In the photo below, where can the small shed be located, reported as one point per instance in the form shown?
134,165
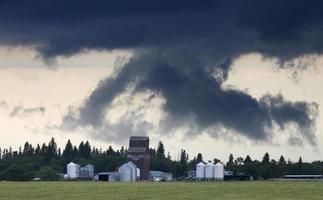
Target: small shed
107,176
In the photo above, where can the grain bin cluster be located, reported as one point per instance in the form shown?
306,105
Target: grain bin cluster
209,172
137,168
75,171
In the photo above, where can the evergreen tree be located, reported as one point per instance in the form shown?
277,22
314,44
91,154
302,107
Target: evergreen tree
215,161
199,158
160,153
75,152
230,163
300,162
266,159
282,161
300,165
28,149
265,170
43,149
110,151
87,150
68,152
247,160
183,162
82,150
281,166
52,148
37,150
249,166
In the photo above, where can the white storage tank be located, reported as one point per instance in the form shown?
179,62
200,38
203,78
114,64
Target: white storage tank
90,169
125,173
134,171
200,171
138,174
218,172
84,173
209,171
73,170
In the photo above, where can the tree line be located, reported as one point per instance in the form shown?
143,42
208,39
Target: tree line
48,162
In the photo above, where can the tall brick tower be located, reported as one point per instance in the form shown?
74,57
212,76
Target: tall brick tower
138,153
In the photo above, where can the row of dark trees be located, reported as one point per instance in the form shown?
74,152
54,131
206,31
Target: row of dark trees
269,168
47,161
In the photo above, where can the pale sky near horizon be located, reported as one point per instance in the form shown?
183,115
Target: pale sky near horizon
28,83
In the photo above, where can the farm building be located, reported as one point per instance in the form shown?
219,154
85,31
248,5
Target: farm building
107,176
138,153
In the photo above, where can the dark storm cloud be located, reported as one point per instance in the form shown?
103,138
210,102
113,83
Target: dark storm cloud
183,51
275,28
300,113
194,92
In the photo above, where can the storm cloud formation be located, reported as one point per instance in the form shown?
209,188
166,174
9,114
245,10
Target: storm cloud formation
183,50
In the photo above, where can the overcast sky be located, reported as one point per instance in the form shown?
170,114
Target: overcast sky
215,77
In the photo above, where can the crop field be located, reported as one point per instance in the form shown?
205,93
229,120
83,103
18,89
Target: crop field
147,190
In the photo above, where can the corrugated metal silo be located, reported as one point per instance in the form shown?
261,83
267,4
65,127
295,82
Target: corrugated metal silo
218,172
73,170
134,171
200,171
90,169
125,173
209,171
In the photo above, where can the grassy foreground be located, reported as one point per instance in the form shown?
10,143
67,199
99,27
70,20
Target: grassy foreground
146,190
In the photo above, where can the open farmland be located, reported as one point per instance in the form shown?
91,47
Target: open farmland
147,190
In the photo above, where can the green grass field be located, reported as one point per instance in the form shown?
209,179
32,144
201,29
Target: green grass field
146,190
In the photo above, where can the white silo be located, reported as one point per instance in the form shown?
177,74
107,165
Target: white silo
209,171
200,171
218,172
125,173
73,170
134,171
90,169
138,173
